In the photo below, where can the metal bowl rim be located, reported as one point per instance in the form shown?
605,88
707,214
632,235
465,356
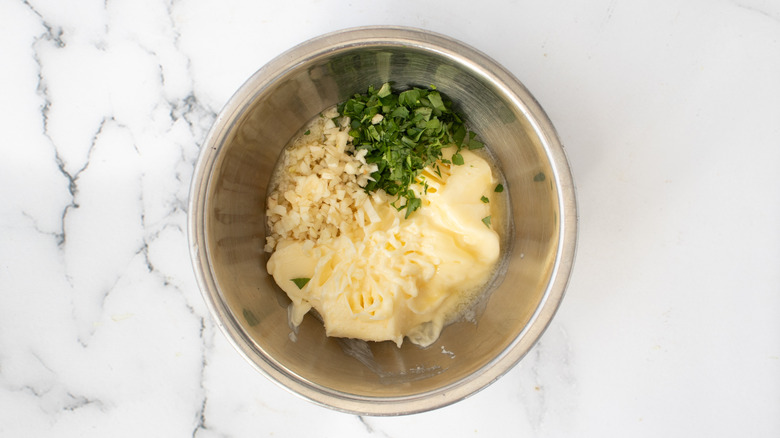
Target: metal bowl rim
478,63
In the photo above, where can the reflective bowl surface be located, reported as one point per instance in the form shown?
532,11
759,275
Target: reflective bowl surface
227,222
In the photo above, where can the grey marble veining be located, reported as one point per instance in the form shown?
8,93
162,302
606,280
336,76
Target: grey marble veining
669,112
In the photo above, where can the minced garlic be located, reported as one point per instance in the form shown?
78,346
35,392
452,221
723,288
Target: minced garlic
369,272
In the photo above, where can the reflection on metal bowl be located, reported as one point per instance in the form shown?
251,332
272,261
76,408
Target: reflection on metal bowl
227,222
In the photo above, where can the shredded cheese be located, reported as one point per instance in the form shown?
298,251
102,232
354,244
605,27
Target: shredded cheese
374,274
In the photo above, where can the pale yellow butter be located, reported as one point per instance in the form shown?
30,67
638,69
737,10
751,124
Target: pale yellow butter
385,277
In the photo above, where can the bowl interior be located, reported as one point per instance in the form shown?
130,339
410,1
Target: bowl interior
267,112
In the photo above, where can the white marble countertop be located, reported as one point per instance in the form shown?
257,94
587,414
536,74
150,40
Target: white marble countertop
670,114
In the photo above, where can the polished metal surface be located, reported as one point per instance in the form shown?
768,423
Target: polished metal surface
227,222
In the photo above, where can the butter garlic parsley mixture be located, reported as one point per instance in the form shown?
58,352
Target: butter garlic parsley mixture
380,217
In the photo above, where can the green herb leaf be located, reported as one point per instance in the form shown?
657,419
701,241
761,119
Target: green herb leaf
435,99
250,318
412,204
308,131
459,135
499,188
409,97
486,221
417,123
384,91
475,144
400,111
301,282
484,199
457,159
539,177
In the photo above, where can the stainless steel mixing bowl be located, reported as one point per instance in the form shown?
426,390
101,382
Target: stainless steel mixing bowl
227,222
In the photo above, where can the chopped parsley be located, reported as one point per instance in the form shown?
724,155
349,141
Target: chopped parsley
457,159
486,221
250,318
403,133
499,188
484,199
300,282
